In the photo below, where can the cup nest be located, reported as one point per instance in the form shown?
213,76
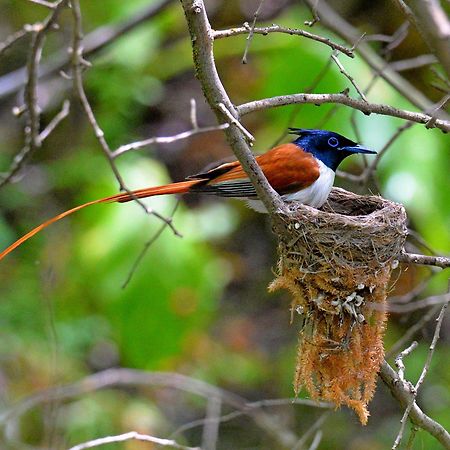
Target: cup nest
336,263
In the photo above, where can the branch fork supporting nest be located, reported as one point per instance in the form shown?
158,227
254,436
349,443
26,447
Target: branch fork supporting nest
336,263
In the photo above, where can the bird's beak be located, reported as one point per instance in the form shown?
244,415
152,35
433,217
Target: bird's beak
358,149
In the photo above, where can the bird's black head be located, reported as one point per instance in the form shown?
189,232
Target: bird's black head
331,148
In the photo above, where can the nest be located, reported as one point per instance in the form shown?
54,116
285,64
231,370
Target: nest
337,263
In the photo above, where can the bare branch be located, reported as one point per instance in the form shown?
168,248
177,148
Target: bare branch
13,38
31,107
316,441
219,34
348,76
23,155
256,405
402,393
94,42
332,20
129,377
202,37
399,360
166,139
432,22
78,62
211,429
368,172
130,436
311,430
410,332
233,121
49,5
412,63
421,379
55,121
419,304
320,99
252,31
148,244
413,258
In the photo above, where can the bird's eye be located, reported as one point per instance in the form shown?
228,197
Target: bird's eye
333,142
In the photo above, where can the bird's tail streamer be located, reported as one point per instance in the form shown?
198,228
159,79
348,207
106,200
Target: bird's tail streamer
174,188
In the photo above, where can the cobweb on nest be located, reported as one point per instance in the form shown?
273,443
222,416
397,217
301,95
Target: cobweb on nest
336,263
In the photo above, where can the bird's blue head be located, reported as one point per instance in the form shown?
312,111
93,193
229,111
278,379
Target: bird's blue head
331,148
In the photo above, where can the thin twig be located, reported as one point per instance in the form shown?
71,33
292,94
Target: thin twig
128,377
320,99
257,404
316,441
296,110
62,114
316,18
147,245
93,43
233,121
132,435
252,31
166,139
433,24
413,306
13,38
23,154
413,258
368,172
78,62
220,34
440,105
399,360
348,76
211,429
32,137
311,430
336,23
401,391
202,39
44,3
413,63
421,379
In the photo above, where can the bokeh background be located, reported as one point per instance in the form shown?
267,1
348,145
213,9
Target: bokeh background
196,305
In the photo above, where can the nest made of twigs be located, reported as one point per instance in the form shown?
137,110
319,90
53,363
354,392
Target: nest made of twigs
336,262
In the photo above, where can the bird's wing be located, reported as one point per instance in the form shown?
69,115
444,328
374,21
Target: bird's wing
287,168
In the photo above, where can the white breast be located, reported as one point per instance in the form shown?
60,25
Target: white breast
314,195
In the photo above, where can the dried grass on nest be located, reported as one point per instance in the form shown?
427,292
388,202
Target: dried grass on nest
336,263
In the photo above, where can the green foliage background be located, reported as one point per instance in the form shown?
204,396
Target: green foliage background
197,305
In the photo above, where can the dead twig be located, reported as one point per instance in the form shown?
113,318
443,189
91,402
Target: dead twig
132,435
252,31
414,389
220,34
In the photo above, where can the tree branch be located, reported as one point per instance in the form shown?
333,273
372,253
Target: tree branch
93,43
415,389
401,391
246,29
130,436
414,258
433,24
361,105
32,137
333,21
110,378
202,37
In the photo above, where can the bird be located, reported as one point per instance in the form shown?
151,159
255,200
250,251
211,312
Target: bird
300,171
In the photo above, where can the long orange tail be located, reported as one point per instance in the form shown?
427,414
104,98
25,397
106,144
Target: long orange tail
174,188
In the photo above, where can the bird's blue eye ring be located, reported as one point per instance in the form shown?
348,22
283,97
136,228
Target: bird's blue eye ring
333,142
